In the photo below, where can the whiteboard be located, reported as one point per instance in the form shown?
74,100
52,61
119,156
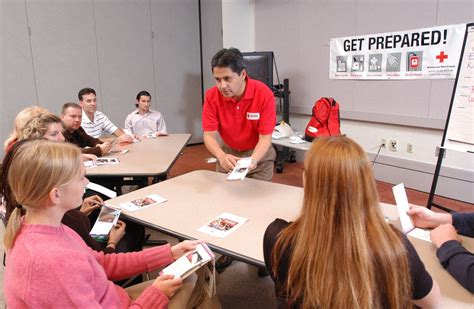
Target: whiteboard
459,133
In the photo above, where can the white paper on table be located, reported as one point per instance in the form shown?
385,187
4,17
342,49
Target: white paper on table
223,225
143,202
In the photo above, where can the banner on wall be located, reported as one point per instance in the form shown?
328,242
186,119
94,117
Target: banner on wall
428,53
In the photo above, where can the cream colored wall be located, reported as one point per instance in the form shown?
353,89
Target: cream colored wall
414,168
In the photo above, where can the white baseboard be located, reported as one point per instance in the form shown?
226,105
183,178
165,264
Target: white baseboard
452,183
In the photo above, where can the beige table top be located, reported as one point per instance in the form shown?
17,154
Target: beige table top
149,157
199,196
284,141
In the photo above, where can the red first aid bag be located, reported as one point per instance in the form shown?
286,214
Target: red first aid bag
324,120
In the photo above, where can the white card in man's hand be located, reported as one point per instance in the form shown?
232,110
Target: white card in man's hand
402,206
241,169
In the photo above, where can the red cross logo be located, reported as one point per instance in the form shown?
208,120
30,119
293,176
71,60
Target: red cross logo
441,57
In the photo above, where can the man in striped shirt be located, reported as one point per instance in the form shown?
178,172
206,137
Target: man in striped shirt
96,123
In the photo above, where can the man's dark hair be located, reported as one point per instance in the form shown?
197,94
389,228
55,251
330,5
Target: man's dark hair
85,91
231,58
68,105
143,92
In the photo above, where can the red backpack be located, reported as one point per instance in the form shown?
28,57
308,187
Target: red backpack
325,119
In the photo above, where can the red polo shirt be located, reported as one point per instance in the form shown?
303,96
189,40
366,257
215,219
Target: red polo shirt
240,123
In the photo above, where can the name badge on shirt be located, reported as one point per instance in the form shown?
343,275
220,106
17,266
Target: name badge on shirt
253,116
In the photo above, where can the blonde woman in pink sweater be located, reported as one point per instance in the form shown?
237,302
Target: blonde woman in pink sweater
49,265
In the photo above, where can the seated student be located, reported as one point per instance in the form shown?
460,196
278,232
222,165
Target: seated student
453,256
95,123
339,252
71,116
48,265
21,118
47,126
144,121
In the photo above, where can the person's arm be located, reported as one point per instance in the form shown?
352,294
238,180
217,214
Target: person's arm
124,265
128,124
431,300
453,256
161,125
425,290
264,142
227,161
464,223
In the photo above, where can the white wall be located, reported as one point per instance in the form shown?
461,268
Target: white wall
238,24
415,169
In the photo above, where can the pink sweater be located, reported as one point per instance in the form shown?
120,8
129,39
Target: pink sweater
53,267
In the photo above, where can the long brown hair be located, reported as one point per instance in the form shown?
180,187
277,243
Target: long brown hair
36,168
344,255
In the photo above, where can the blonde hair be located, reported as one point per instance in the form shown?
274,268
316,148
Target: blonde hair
37,126
20,120
38,167
344,255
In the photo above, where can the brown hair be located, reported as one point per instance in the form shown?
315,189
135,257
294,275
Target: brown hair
38,126
36,168
344,255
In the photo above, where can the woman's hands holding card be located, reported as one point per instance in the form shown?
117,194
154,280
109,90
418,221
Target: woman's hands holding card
168,285
185,246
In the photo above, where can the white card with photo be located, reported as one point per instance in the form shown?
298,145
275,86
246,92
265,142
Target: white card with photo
241,169
189,262
142,203
106,161
90,164
106,220
406,222
223,225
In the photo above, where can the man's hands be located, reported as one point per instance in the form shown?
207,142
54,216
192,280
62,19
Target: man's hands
117,232
444,233
227,161
185,246
105,147
124,138
168,285
90,204
425,218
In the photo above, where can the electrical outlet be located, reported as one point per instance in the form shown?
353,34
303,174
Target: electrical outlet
393,145
410,148
383,142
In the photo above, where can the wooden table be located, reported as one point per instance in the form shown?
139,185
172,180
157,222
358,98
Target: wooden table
199,196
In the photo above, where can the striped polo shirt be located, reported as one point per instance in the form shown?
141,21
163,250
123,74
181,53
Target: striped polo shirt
99,126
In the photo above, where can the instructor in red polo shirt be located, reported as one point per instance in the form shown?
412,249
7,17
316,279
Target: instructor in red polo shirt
242,111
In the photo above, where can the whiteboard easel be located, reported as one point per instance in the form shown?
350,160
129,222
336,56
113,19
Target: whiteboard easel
459,130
